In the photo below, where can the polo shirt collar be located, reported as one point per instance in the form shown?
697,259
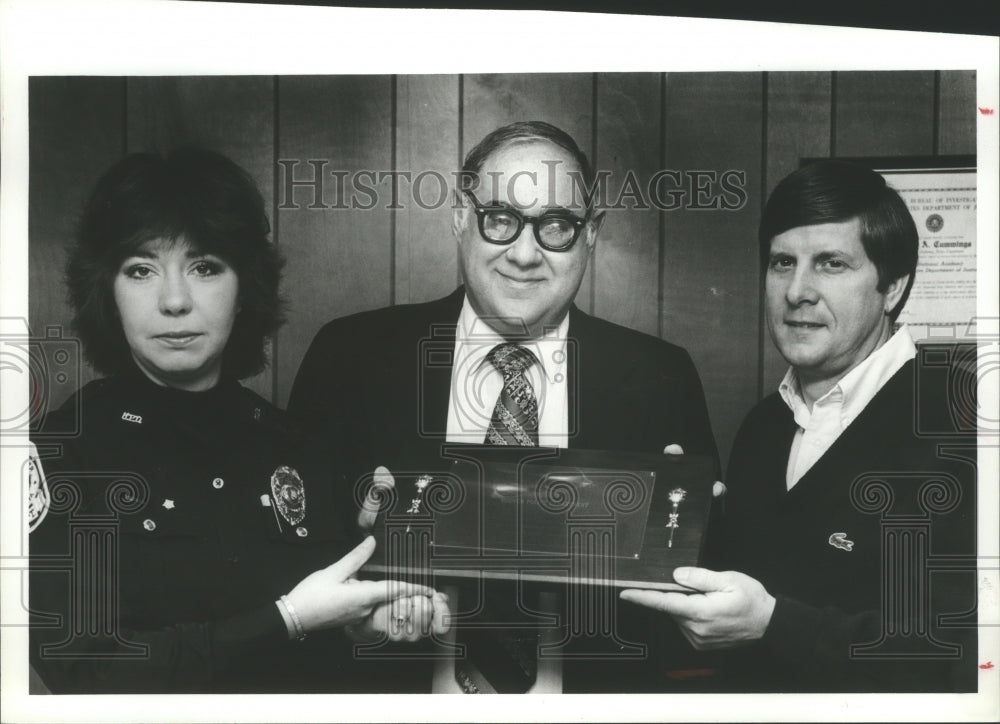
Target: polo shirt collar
857,388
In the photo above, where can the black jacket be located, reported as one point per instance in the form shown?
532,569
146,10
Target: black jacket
156,566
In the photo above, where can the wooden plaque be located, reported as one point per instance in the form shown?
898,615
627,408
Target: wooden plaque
547,514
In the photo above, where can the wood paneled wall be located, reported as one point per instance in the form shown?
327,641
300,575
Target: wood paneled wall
688,275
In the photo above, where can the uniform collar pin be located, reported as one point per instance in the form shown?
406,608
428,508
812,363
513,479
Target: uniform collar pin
168,504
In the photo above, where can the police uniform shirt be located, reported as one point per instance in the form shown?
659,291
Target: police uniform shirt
163,547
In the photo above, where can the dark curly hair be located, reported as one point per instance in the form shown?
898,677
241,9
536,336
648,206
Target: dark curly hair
193,193
833,191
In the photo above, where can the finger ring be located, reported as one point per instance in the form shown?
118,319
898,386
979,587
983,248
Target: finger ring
400,620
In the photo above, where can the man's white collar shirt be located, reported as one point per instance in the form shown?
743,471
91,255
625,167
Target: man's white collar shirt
834,411
476,383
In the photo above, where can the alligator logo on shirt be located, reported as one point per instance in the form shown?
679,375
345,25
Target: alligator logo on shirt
839,540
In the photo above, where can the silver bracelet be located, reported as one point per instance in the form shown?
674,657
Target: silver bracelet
300,633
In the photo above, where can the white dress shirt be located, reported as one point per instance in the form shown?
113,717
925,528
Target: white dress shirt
476,383
833,412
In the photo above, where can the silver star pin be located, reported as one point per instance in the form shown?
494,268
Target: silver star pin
168,504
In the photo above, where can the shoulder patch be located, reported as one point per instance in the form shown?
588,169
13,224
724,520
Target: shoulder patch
37,493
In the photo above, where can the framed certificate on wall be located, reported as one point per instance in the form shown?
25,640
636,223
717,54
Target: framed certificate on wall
940,192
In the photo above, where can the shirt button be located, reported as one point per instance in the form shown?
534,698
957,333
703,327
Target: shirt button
301,531
149,524
218,483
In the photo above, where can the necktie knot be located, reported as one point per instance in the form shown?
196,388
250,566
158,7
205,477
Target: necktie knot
515,415
511,359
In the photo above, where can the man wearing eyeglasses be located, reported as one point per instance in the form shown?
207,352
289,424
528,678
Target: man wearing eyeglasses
508,358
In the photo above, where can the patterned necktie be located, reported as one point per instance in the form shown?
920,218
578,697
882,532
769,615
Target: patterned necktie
515,416
504,660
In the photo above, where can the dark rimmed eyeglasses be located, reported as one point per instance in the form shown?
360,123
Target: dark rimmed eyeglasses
500,224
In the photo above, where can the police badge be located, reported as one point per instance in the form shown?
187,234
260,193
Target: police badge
289,494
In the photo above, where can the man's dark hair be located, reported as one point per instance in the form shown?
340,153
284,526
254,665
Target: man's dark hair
524,132
834,191
194,194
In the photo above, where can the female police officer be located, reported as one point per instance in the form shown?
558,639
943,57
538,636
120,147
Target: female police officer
174,547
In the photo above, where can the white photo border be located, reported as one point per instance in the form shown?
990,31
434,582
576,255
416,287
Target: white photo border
116,37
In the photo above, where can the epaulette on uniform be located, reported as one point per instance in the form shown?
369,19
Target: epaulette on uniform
83,403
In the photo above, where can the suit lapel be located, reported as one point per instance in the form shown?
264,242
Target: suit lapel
437,361
596,378
428,361
573,382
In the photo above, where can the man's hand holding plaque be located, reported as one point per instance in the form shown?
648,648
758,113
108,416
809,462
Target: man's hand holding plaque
728,608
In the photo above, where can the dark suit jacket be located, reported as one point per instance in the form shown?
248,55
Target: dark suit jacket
830,598
386,373
379,382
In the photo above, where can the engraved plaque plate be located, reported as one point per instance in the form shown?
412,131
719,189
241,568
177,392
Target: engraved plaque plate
527,513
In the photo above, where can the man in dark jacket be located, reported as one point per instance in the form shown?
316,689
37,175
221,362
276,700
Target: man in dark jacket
852,482
507,358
